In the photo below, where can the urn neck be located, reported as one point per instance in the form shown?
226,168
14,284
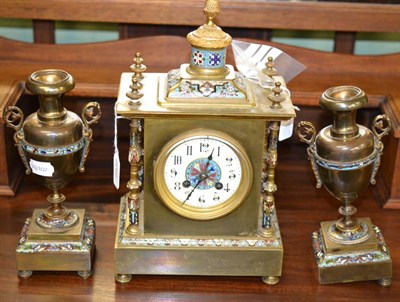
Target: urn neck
50,85
344,124
51,108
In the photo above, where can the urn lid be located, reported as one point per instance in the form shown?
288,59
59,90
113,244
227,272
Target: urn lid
209,43
343,98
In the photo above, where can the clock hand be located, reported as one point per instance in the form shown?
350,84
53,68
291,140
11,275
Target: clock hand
210,157
202,176
194,188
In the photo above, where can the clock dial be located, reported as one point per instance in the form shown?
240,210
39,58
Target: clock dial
203,174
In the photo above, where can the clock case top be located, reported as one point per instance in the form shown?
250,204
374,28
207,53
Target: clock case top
154,103
247,124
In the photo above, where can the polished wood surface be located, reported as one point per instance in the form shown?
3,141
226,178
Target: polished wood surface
300,208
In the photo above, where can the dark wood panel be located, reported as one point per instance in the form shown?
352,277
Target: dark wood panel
306,15
344,42
44,31
127,31
11,170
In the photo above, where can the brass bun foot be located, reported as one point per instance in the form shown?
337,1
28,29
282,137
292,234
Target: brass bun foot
85,274
341,263
72,250
123,278
25,274
384,282
270,280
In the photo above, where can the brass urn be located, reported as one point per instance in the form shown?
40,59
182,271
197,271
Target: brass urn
53,144
345,158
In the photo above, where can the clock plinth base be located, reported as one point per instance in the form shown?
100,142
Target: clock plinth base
150,254
338,263
72,250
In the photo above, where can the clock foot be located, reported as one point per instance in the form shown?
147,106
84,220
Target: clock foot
270,280
85,274
24,274
123,278
385,282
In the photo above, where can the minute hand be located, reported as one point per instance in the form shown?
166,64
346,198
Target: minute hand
191,192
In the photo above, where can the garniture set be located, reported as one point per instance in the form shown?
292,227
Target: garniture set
203,152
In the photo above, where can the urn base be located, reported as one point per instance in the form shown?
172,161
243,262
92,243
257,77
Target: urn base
338,263
73,250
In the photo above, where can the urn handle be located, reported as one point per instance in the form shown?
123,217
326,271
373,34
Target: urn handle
306,133
14,118
381,126
91,113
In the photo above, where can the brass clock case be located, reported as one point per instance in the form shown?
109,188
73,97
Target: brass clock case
203,213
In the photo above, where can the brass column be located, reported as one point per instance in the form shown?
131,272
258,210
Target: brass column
269,186
134,184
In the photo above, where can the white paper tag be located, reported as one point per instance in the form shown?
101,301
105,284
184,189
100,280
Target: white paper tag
41,168
286,129
116,162
117,165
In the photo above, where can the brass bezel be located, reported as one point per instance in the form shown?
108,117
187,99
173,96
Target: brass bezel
188,211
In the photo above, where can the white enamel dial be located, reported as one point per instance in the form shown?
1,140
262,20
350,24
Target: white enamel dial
203,174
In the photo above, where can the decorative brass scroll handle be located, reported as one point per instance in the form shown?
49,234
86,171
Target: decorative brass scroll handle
14,118
381,126
91,113
11,115
306,133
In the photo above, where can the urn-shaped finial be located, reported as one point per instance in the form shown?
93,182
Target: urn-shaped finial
209,43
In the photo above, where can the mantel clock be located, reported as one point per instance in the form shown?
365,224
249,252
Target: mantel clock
203,152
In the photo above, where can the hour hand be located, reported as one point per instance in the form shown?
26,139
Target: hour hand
210,156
